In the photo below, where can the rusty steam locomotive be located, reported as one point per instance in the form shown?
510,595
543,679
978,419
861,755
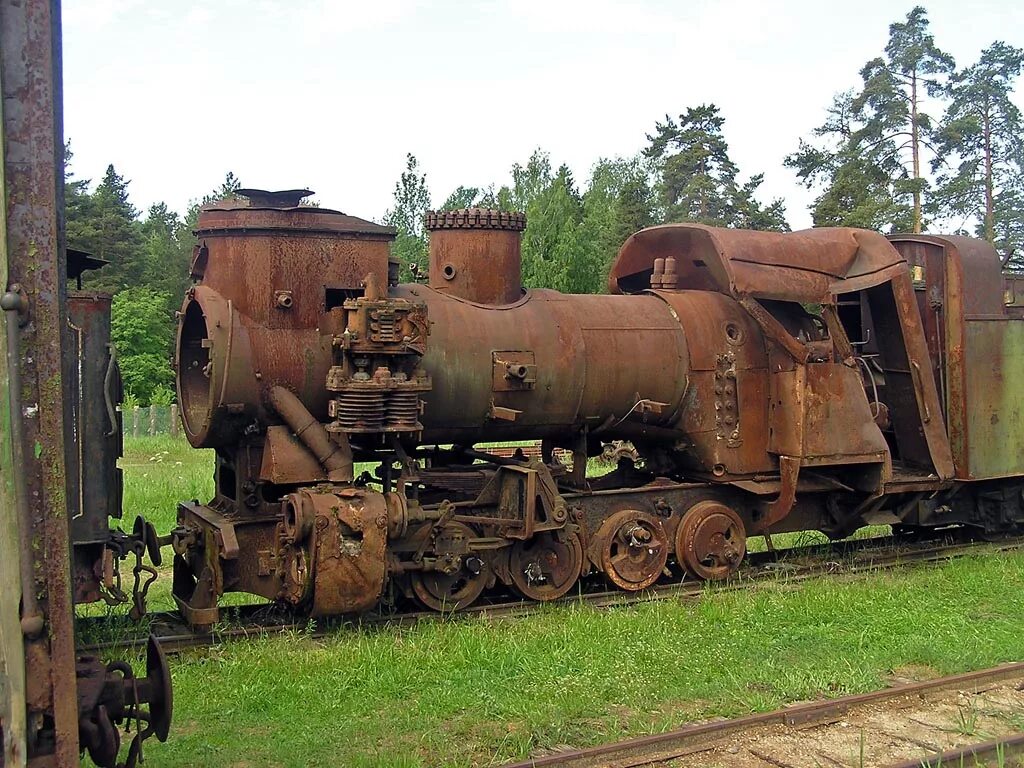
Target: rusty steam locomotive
823,380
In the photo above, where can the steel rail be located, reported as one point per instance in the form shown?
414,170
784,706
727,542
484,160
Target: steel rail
970,755
671,745
176,642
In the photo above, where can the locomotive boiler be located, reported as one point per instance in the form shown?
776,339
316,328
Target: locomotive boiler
768,382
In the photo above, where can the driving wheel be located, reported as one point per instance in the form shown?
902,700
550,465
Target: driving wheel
710,541
461,577
632,549
547,565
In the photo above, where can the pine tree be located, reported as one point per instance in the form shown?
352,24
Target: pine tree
1009,223
894,126
697,179
166,260
856,185
78,223
115,235
981,133
634,207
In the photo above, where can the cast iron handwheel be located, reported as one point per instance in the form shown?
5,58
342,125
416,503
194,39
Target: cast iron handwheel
441,591
632,549
710,541
546,566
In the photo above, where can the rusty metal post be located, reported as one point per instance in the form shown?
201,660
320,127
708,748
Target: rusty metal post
12,647
30,77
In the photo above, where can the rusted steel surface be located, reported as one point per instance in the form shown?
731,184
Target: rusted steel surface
580,354
33,148
474,254
805,266
94,479
546,566
748,411
298,263
723,413
631,548
348,535
14,565
979,348
710,540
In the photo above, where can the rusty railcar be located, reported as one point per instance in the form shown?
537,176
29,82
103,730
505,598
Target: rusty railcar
768,382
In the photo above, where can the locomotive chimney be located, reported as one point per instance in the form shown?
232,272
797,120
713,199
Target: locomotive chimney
474,254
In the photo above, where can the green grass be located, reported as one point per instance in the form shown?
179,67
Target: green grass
159,472
475,692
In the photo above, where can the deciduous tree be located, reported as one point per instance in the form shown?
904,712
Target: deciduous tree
142,332
412,201
461,197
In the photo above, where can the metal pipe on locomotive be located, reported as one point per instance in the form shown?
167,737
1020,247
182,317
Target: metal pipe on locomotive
769,382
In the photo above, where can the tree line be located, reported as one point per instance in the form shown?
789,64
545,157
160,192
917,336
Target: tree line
919,145
147,271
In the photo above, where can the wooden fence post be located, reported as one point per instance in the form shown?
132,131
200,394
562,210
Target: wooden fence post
174,419
152,420
135,421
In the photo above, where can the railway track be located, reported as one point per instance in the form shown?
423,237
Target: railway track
969,719
792,565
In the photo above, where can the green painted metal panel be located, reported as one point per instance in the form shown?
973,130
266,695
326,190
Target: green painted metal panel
994,373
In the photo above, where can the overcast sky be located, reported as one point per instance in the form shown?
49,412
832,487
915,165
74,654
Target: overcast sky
332,95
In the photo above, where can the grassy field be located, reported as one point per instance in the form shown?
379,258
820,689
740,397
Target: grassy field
477,692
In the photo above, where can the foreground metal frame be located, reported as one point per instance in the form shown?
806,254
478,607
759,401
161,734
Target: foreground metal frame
33,422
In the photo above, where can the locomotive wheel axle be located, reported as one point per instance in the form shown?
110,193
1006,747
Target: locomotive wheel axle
460,580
